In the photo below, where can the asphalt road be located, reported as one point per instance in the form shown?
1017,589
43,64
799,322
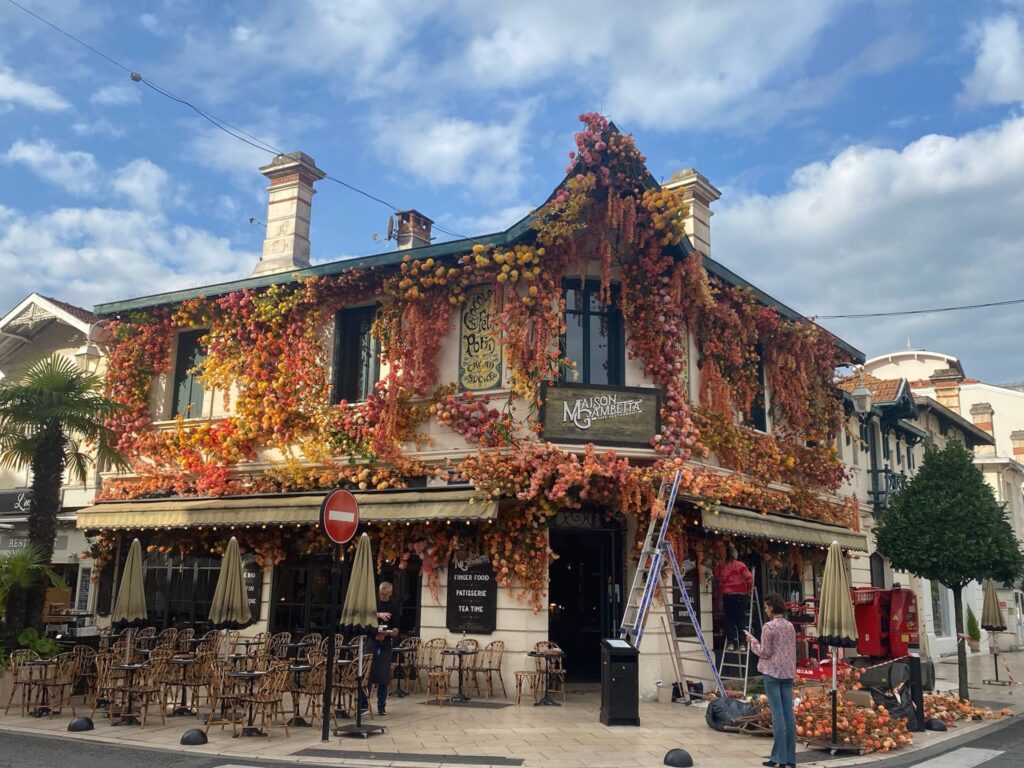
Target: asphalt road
23,751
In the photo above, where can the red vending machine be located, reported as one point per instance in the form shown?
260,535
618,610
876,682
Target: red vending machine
903,622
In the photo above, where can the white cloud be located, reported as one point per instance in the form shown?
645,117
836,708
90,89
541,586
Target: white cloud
143,182
150,23
998,74
492,221
90,255
100,127
74,171
934,223
449,150
16,90
115,95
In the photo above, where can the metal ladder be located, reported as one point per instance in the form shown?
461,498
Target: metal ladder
656,570
739,660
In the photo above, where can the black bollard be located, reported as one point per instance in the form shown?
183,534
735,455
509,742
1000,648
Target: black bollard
916,692
80,723
193,737
678,758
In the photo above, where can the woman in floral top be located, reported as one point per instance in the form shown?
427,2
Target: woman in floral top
777,663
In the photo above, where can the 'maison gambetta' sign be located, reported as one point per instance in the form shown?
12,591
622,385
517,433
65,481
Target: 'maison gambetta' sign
589,413
472,595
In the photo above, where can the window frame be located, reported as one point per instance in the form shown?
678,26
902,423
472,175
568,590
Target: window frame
344,341
616,334
182,375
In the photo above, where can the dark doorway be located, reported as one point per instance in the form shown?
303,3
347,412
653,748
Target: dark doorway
584,596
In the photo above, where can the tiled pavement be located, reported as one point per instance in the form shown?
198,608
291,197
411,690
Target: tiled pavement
571,736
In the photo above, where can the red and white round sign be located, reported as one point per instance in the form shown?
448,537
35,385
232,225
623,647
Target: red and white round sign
339,516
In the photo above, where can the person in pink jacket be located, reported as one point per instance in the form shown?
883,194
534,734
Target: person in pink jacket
735,582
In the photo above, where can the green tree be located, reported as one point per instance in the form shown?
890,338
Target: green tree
947,526
48,413
21,570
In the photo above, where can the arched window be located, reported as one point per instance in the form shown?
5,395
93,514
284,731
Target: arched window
877,570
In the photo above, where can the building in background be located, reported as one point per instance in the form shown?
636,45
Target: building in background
36,328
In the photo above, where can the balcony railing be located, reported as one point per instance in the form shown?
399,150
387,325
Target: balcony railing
885,483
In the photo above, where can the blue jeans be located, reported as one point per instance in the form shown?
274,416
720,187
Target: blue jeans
780,699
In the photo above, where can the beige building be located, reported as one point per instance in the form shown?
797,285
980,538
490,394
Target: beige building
37,328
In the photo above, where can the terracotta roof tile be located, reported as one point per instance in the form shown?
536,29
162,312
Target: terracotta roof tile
882,390
82,314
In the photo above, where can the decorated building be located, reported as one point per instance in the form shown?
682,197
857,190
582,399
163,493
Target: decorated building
505,406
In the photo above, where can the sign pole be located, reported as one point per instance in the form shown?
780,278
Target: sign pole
326,711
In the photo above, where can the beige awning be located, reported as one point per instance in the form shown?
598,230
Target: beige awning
380,506
792,530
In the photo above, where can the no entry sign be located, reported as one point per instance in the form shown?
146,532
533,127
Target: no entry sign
339,516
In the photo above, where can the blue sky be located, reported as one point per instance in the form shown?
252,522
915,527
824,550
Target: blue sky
870,154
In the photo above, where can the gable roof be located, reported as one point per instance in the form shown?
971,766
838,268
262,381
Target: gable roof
973,435
34,314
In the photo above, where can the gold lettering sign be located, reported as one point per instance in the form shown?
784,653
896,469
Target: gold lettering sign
479,350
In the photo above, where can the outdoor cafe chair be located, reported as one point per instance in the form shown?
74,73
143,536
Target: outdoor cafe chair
142,689
405,662
169,635
104,636
469,663
312,686
266,698
489,667
310,643
277,646
429,658
231,639
211,641
107,681
350,683
221,696
554,667
58,683
183,639
258,641
86,670
22,677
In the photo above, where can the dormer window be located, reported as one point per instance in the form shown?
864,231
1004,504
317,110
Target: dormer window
356,362
188,390
593,335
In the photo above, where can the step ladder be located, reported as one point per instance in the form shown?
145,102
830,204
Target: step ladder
658,570
734,666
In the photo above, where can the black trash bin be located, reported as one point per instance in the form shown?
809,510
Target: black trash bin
620,683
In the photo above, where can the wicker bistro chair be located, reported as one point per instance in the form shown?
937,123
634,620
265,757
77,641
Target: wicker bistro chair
182,640
555,669
266,699
23,678
469,663
107,681
146,688
58,685
404,666
348,686
212,641
278,645
258,641
86,681
221,695
311,644
312,687
429,658
489,668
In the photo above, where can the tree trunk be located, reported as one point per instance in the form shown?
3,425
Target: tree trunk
47,478
14,621
961,645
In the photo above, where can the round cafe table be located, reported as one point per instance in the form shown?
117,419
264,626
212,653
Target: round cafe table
460,653
251,676
129,717
399,653
181,663
297,670
546,700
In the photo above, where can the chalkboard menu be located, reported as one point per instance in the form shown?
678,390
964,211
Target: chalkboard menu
253,583
691,576
472,595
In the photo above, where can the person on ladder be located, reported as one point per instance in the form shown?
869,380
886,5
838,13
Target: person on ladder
735,582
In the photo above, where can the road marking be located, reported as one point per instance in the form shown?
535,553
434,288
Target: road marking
345,517
965,757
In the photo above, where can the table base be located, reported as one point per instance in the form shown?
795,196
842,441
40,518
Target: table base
298,722
546,701
181,711
127,720
41,711
252,731
363,731
460,698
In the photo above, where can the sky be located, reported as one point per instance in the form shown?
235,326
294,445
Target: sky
870,153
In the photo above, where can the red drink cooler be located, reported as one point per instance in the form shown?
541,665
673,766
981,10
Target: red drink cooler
903,624
871,612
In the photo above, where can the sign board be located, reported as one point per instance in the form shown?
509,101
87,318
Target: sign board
589,413
253,576
472,595
339,516
690,572
479,349
15,502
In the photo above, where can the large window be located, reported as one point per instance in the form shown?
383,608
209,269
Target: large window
940,609
179,590
188,390
758,416
356,364
593,334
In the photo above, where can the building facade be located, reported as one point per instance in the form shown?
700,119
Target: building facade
504,408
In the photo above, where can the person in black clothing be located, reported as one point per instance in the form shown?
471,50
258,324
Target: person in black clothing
380,646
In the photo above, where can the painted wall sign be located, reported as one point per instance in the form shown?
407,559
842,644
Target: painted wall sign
480,354
253,583
691,575
588,413
15,502
472,595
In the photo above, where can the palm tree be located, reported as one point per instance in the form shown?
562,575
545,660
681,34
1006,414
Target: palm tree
21,570
46,414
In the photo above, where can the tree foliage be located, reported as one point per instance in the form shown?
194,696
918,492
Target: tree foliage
947,526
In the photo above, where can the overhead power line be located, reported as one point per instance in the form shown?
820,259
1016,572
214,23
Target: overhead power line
222,125
932,310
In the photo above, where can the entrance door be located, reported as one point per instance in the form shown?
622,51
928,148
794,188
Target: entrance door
585,590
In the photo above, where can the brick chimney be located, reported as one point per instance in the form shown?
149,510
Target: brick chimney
699,194
981,415
413,230
1017,441
286,246
947,387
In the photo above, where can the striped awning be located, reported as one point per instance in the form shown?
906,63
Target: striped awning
782,528
401,506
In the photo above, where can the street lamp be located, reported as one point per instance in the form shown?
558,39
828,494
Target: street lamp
87,358
861,395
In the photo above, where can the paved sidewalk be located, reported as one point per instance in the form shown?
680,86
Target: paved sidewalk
497,732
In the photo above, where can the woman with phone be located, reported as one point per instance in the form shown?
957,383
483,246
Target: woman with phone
776,651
